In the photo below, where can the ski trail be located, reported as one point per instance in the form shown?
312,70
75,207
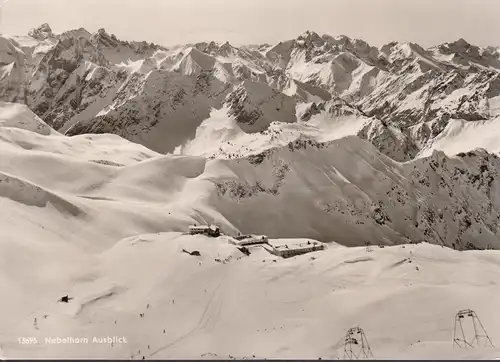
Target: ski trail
203,321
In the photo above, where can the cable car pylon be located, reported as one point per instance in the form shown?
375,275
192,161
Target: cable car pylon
469,332
356,345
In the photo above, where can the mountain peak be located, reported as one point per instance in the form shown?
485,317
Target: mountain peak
104,34
337,40
309,40
43,32
103,38
215,49
310,36
461,42
45,27
458,46
78,33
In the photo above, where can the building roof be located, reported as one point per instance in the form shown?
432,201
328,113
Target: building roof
250,236
249,239
213,227
199,227
242,237
298,246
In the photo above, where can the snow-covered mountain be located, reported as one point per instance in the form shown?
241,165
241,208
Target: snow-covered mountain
103,220
80,82
338,189
223,102
110,149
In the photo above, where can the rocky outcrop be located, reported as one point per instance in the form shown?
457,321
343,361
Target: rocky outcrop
409,93
160,110
256,105
453,202
43,32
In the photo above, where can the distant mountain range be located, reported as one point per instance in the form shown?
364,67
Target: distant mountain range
302,112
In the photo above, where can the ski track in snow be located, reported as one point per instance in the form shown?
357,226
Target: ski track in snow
316,138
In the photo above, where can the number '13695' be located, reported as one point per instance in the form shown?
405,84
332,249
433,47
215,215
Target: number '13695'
27,340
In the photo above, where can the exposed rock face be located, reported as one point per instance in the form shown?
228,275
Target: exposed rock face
256,105
161,110
56,81
390,140
43,32
311,110
448,201
409,93
13,65
103,40
343,122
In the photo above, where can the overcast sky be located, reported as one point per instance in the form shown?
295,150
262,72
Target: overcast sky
169,22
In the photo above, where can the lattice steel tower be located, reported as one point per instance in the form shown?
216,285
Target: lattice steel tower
469,331
356,345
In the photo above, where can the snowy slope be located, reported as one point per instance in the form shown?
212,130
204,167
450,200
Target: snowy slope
409,93
19,116
102,219
251,307
461,136
160,110
340,190
222,136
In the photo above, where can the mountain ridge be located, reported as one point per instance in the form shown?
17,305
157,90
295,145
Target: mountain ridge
110,150
239,104
399,85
